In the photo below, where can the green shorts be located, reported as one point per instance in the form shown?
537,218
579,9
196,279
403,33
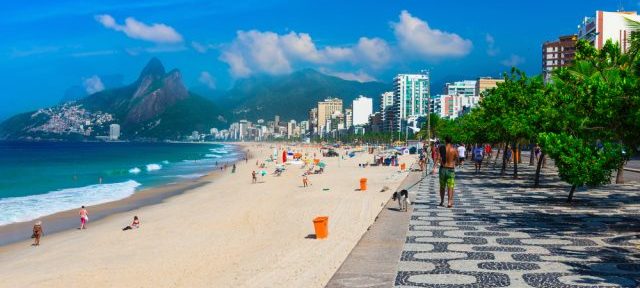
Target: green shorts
447,177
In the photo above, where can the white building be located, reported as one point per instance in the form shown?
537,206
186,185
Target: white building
464,88
615,26
452,106
386,111
114,132
348,118
362,108
410,97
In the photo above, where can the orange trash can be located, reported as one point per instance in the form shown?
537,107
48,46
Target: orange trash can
316,161
363,184
321,225
402,166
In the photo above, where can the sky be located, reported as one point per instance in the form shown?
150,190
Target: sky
49,49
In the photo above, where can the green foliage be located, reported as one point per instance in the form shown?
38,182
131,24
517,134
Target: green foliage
580,162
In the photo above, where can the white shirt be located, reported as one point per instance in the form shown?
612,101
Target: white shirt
461,151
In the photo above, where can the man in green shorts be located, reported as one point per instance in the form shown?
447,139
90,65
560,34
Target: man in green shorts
447,174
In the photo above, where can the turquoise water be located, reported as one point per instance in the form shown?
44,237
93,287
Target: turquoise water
42,178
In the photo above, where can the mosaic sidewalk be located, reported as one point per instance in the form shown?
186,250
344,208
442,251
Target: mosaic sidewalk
501,235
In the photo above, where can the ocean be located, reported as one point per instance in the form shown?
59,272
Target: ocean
42,178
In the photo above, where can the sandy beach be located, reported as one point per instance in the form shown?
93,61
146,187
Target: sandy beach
225,233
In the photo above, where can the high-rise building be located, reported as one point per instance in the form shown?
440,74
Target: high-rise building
386,100
326,108
558,54
614,26
462,88
410,97
348,118
486,83
452,106
277,121
114,132
375,122
362,108
386,111
313,120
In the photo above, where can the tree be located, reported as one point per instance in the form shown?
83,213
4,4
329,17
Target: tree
580,162
603,95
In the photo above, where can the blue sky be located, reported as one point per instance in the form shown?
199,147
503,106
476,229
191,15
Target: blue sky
48,47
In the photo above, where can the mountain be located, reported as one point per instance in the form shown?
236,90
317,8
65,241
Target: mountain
291,96
156,106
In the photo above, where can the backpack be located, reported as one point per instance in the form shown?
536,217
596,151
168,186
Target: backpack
477,154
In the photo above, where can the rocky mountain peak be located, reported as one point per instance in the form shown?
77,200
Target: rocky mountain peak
154,69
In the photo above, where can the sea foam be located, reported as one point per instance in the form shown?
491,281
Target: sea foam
135,170
153,167
27,208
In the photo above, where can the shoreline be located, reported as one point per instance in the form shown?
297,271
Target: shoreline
68,220
227,232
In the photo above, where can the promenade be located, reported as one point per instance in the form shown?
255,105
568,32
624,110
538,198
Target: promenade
503,234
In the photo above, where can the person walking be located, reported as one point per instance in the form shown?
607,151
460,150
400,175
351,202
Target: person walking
233,169
37,233
254,177
447,174
487,150
84,218
462,153
478,156
305,180
509,155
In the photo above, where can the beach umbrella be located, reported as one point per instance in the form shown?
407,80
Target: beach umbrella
322,164
263,172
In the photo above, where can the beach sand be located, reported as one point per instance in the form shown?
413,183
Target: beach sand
227,233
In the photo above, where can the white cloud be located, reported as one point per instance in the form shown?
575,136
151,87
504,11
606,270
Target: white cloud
156,32
374,51
93,84
492,50
268,52
359,76
206,79
94,53
201,47
414,36
512,61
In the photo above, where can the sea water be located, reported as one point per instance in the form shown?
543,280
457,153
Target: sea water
42,178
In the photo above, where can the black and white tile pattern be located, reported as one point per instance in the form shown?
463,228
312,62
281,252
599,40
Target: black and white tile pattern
502,235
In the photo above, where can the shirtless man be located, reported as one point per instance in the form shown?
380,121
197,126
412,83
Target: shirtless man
447,174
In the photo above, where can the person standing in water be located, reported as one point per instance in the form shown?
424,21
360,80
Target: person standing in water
84,218
37,233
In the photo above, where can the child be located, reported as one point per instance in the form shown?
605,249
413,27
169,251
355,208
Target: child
37,233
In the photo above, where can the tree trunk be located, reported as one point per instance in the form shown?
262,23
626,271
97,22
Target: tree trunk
531,155
620,174
504,161
573,189
515,163
495,160
536,182
519,153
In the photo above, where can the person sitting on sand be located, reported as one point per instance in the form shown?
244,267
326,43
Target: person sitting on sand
84,218
37,233
134,224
